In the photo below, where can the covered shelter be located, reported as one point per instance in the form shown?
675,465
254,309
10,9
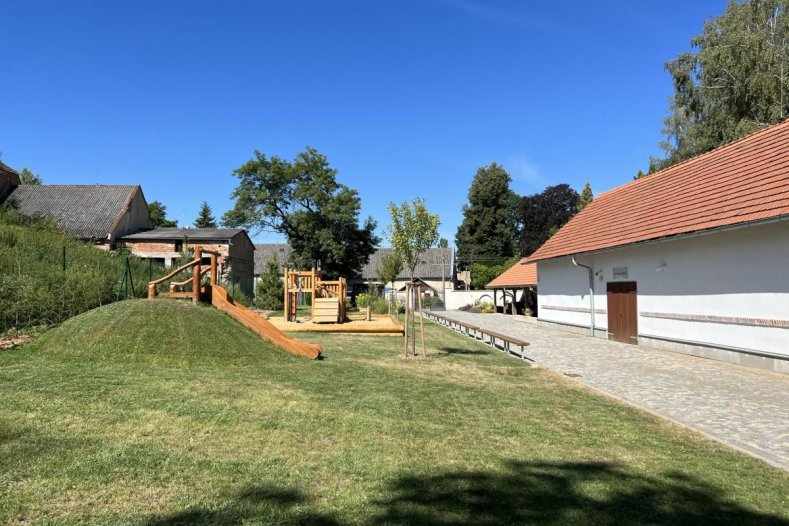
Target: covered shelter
522,277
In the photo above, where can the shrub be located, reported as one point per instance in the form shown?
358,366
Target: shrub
270,290
34,288
377,304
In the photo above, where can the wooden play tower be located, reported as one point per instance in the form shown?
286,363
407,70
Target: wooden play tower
327,297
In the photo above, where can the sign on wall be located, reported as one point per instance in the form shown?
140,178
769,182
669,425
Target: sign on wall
620,272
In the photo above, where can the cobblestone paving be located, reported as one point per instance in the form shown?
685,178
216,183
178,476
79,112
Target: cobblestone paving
740,406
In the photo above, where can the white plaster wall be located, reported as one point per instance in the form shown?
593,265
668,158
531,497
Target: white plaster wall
457,298
740,273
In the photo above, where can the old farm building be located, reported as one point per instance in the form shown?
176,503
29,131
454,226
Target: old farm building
97,213
237,253
694,258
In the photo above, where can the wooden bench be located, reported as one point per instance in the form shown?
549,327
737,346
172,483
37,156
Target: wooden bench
494,339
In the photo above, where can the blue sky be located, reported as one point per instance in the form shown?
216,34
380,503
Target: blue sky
405,98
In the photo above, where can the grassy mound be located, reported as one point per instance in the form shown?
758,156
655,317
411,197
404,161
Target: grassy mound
34,287
161,412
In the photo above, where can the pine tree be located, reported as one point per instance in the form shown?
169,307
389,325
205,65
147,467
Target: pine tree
158,214
270,289
205,219
488,230
586,196
26,176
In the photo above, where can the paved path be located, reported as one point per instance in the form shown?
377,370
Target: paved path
740,406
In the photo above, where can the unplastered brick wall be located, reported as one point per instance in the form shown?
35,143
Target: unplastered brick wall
146,246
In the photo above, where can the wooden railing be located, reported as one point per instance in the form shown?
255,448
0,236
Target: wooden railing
197,274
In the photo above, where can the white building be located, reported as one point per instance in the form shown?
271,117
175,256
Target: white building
693,259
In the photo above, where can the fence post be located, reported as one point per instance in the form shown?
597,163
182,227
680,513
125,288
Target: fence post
131,278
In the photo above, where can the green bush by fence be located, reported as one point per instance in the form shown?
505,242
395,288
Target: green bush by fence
46,278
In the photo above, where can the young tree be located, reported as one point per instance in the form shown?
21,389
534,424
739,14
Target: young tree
26,176
734,82
443,243
158,214
412,231
270,291
390,267
303,200
488,230
543,214
205,219
586,196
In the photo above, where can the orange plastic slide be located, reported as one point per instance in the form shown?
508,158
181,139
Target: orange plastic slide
223,302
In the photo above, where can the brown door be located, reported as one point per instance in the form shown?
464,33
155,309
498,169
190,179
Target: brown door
622,312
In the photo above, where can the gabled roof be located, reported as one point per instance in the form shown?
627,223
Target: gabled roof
264,252
521,274
82,211
743,182
431,264
177,234
4,168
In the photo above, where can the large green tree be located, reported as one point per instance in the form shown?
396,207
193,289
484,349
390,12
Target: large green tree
205,218
158,214
733,82
542,214
303,200
488,230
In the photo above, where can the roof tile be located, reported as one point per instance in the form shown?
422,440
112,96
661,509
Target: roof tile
743,181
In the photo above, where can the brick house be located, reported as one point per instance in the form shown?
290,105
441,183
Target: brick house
167,245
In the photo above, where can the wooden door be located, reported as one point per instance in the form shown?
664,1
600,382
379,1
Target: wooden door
623,311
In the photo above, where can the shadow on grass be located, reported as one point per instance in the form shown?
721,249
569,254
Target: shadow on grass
257,504
562,493
520,493
449,351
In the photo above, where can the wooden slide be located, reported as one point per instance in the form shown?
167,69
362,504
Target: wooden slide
222,301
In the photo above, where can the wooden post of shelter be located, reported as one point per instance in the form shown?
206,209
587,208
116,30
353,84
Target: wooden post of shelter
196,275
213,269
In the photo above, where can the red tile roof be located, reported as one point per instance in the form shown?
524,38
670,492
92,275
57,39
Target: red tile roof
741,182
521,274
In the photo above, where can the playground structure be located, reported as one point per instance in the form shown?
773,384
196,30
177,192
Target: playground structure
219,298
328,311
327,297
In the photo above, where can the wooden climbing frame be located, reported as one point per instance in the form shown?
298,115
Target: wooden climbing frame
322,293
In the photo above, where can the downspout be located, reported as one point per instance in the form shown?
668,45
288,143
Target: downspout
591,292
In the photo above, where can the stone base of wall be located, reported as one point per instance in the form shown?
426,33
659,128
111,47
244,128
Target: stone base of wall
577,329
739,357
735,356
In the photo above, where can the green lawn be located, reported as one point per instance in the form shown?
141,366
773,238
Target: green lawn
159,412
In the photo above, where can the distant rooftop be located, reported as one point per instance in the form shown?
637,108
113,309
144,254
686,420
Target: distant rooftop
265,252
177,234
4,168
82,211
429,266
